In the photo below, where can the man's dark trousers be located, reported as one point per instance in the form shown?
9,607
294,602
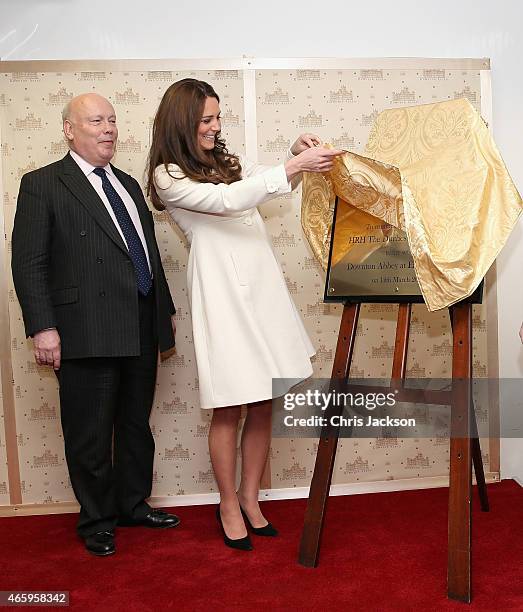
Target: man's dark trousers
95,395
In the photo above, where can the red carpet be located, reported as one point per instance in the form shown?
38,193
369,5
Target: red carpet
385,551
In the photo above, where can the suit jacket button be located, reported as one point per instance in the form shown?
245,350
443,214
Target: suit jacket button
99,260
83,233
102,294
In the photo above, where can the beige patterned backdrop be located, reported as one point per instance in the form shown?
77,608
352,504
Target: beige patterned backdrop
340,106
4,490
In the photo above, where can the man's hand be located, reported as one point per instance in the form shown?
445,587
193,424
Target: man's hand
304,142
47,348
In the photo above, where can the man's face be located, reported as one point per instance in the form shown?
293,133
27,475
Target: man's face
91,129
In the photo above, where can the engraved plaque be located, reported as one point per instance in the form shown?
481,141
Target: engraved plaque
369,260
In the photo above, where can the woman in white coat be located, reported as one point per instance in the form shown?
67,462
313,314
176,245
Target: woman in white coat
246,328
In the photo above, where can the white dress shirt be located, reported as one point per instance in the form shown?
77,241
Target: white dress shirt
96,182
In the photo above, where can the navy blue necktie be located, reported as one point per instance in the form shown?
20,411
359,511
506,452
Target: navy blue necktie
134,244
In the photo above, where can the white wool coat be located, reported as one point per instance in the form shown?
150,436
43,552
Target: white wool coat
246,328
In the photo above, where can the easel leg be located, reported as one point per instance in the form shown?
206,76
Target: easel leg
478,464
477,459
321,479
399,363
460,481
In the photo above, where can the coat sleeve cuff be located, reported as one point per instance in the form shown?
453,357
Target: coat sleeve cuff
276,180
289,154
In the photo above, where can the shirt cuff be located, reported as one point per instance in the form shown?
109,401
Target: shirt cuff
42,330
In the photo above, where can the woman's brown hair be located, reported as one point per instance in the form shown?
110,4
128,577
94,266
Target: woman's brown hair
175,141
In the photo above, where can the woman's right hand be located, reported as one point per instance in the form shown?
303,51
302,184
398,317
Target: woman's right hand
315,159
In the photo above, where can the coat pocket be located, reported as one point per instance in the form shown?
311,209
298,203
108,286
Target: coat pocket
69,295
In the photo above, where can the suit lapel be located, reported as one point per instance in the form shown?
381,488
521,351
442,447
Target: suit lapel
76,181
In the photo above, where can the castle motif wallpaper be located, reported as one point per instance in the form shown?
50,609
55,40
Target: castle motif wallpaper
340,106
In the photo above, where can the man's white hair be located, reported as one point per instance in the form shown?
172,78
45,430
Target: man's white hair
66,111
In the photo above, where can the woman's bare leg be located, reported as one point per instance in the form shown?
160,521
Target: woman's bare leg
223,435
256,438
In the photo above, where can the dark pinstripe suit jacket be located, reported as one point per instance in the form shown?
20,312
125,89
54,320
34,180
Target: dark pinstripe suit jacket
72,270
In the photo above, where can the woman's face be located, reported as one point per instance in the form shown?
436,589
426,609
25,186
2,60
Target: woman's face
210,124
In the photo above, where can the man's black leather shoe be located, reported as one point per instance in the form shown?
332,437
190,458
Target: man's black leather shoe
157,519
101,543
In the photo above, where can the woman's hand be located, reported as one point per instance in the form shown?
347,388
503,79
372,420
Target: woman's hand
314,159
304,142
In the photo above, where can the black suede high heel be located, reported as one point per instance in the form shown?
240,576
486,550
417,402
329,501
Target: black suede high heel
239,543
267,530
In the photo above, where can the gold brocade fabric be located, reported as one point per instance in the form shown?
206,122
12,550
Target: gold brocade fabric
317,211
374,187
455,198
369,185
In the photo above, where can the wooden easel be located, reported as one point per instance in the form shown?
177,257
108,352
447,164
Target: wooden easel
464,442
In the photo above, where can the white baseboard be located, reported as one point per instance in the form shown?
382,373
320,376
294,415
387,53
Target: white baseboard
516,479
201,499
357,488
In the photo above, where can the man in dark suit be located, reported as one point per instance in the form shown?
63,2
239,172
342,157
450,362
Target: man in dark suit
95,300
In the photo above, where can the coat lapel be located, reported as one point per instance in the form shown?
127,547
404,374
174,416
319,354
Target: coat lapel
76,181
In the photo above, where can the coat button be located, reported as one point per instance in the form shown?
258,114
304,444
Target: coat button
102,294
99,260
83,233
